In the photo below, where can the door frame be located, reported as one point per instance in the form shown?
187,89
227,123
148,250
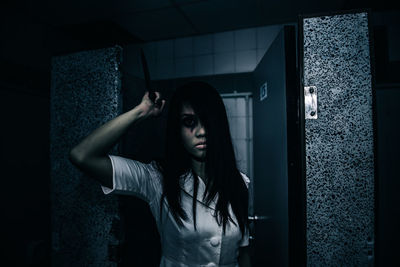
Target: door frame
295,147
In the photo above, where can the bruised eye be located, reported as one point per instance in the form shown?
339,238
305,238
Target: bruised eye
189,121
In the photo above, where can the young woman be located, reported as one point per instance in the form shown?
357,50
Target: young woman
196,194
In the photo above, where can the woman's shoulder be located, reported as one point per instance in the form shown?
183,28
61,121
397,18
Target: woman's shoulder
157,164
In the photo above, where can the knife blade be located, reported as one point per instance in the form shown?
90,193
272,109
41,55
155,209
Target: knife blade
152,95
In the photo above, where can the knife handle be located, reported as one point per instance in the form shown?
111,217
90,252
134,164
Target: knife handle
152,96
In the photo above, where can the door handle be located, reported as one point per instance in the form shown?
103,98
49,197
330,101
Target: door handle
258,218
252,220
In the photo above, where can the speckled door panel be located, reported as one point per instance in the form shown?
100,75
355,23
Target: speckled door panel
339,144
85,93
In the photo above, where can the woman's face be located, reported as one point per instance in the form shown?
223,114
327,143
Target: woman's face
193,133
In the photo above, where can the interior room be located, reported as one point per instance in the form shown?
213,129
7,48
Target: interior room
310,90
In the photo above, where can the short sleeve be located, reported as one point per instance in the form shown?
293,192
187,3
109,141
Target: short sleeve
245,240
131,177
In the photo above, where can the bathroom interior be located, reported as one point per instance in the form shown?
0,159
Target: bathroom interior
323,182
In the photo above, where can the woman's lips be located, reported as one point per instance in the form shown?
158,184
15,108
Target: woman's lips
201,146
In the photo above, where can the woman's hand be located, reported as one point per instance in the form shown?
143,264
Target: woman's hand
150,108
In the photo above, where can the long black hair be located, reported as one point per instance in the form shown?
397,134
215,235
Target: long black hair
223,177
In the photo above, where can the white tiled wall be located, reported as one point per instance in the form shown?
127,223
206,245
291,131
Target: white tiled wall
245,60
242,134
203,65
224,62
203,44
246,39
219,53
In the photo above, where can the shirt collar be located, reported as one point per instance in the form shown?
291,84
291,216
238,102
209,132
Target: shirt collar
187,187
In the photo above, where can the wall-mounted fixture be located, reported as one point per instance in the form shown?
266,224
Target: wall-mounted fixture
310,101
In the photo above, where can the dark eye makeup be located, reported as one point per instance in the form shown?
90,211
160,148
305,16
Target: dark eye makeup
189,121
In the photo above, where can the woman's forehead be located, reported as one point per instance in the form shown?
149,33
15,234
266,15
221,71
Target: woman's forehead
187,109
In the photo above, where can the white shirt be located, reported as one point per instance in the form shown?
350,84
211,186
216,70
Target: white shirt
181,246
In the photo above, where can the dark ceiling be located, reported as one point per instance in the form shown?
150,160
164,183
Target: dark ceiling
132,21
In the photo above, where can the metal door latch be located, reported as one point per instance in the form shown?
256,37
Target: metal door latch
310,102
258,218
253,220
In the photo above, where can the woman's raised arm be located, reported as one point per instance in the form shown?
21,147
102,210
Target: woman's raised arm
90,155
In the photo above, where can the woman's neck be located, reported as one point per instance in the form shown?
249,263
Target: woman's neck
199,168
